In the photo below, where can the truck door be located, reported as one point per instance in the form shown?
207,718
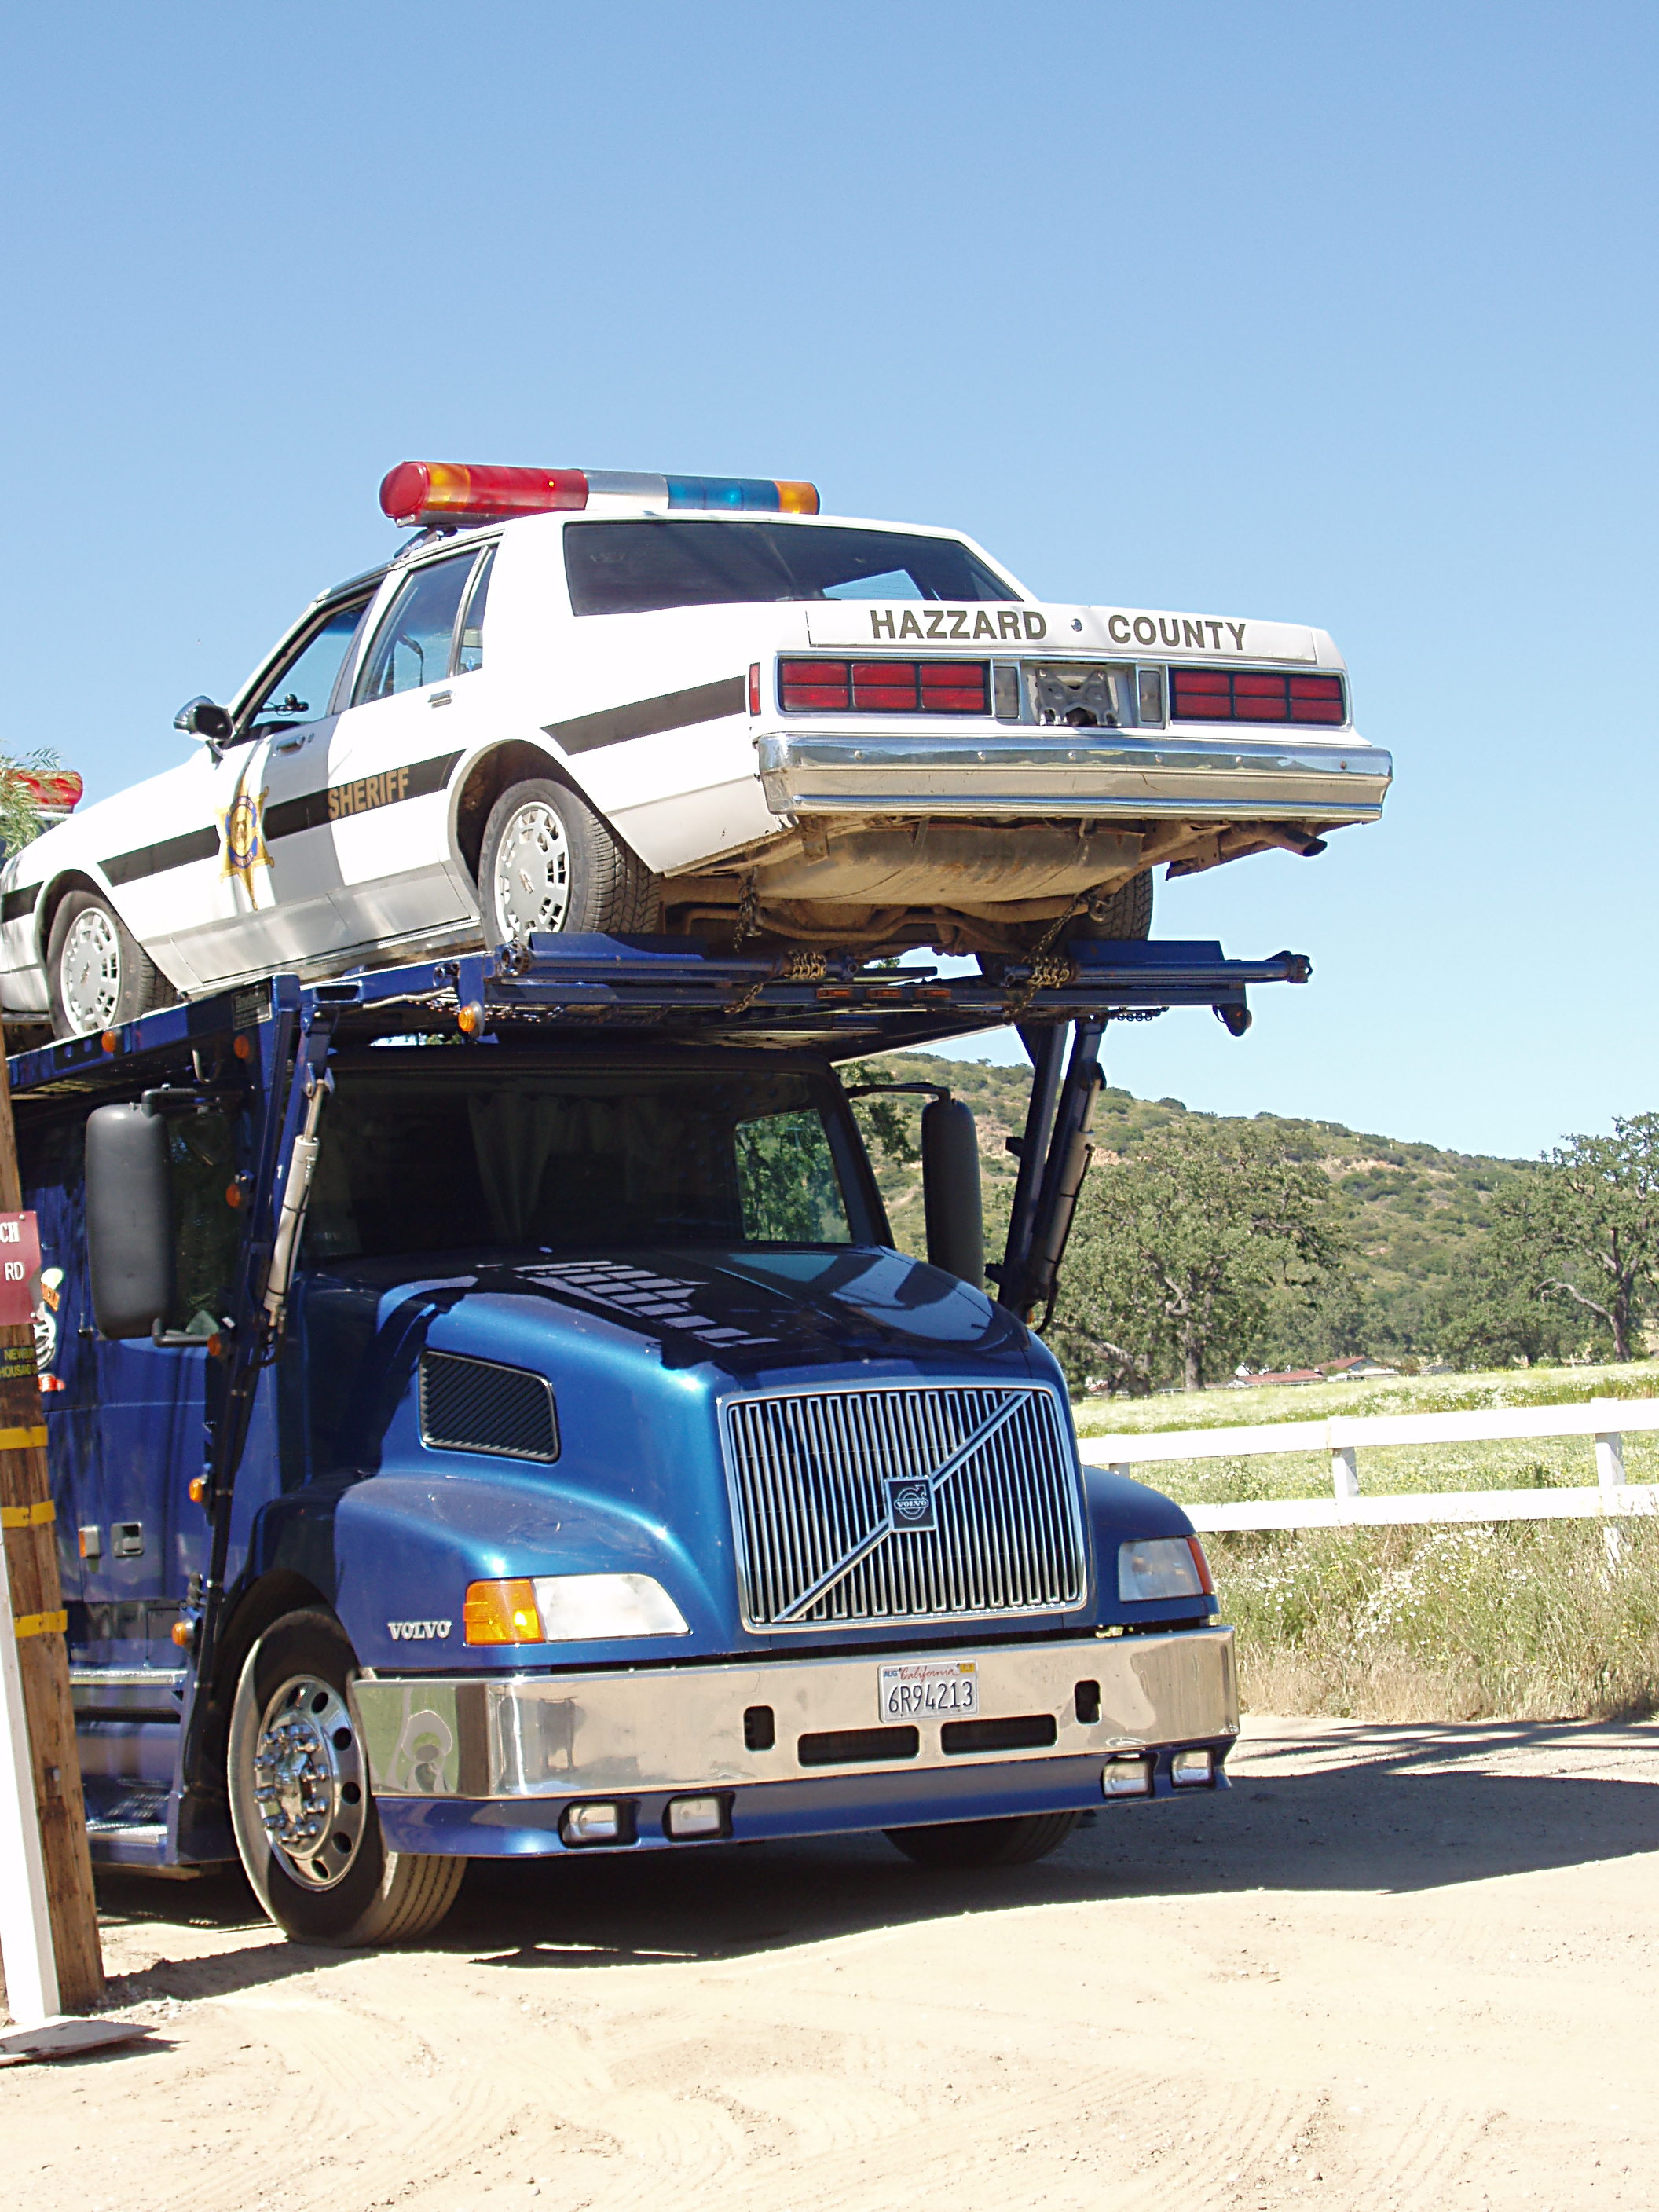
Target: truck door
418,707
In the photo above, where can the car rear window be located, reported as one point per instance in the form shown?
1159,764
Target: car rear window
637,568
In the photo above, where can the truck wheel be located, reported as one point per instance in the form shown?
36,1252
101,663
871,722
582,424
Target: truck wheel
1126,913
306,1824
98,974
549,863
1013,1841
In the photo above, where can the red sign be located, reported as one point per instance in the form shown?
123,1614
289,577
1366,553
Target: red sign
20,1268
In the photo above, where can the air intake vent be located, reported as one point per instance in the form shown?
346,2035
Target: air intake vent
473,1405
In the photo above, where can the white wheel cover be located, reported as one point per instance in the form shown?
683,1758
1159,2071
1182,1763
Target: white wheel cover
89,972
532,885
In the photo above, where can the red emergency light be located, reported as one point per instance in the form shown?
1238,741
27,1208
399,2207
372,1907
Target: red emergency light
426,493
55,791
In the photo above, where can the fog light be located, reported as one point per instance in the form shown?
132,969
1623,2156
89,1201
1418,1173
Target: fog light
696,1816
1192,1766
1126,1778
596,1824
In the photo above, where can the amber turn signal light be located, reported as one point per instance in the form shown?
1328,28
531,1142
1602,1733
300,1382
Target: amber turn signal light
502,1613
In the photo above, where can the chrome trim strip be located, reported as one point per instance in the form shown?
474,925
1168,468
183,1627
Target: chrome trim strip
682,1728
142,1677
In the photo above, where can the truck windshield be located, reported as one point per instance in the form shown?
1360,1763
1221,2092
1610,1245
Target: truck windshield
589,1159
636,567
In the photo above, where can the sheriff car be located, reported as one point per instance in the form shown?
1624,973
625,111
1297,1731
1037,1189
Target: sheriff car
576,700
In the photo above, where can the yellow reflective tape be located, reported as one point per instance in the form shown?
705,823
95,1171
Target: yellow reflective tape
27,1517
41,1624
21,1439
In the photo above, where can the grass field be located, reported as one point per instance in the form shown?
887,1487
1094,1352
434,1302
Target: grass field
1518,1619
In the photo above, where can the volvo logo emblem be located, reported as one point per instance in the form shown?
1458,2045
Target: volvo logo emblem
911,1503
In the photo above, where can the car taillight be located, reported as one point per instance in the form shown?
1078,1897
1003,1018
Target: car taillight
884,687
814,687
1238,695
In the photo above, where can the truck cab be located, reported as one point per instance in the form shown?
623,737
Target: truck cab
489,1417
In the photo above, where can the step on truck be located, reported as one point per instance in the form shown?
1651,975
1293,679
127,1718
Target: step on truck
489,1418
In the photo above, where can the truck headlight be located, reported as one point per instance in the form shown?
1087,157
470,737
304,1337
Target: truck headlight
569,1609
1162,1566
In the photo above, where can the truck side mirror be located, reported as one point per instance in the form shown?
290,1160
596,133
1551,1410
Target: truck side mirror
200,717
951,1201
129,1219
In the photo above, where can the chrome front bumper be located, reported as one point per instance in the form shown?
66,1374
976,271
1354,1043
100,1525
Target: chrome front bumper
682,1728
1101,773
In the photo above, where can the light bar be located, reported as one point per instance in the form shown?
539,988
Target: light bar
425,492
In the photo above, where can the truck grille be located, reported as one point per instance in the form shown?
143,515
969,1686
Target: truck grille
901,1505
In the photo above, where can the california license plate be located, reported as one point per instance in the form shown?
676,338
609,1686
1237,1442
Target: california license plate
946,1687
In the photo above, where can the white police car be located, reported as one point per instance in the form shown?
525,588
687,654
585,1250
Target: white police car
586,702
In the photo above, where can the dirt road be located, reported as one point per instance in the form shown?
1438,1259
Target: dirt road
1393,1967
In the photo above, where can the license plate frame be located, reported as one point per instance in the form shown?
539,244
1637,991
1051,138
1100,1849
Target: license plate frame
926,1689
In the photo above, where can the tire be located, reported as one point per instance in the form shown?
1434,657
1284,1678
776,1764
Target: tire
98,975
1005,1842
1126,913
314,1853
549,863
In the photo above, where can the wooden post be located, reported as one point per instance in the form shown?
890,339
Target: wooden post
37,1625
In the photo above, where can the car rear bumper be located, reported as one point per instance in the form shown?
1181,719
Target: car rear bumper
1102,773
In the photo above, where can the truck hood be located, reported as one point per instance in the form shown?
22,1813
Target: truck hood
747,1314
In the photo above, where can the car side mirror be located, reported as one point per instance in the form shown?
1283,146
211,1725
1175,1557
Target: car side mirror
952,1205
129,1219
200,717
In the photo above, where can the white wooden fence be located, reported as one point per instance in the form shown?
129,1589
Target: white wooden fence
1608,1420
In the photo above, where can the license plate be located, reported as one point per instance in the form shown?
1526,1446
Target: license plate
946,1687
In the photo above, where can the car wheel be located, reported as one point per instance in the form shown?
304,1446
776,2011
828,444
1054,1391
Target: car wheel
97,972
549,863
307,1828
1126,913
1013,1841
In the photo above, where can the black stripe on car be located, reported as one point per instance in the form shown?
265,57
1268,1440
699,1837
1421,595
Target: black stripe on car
649,718
171,853
314,810
15,904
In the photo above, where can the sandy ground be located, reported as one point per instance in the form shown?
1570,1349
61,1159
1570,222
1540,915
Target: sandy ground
1392,1967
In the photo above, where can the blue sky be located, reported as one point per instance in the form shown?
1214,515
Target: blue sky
1332,315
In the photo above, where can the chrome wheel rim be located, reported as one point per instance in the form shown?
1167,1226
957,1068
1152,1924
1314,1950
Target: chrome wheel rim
89,971
532,873
308,1782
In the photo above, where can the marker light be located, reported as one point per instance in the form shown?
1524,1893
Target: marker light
596,1824
695,1816
1189,1768
1126,1778
429,492
1162,1566
569,1609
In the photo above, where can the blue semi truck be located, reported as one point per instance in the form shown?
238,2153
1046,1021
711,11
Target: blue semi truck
489,1417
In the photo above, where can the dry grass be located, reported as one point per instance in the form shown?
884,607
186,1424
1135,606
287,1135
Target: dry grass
1518,1619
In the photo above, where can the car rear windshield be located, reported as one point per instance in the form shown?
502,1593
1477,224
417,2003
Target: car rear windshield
636,567
587,1159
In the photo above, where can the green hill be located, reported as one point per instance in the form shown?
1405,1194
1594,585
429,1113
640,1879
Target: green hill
1413,1210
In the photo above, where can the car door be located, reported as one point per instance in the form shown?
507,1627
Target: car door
272,904
418,706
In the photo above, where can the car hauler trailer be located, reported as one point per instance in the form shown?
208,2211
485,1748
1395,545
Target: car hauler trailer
488,1418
